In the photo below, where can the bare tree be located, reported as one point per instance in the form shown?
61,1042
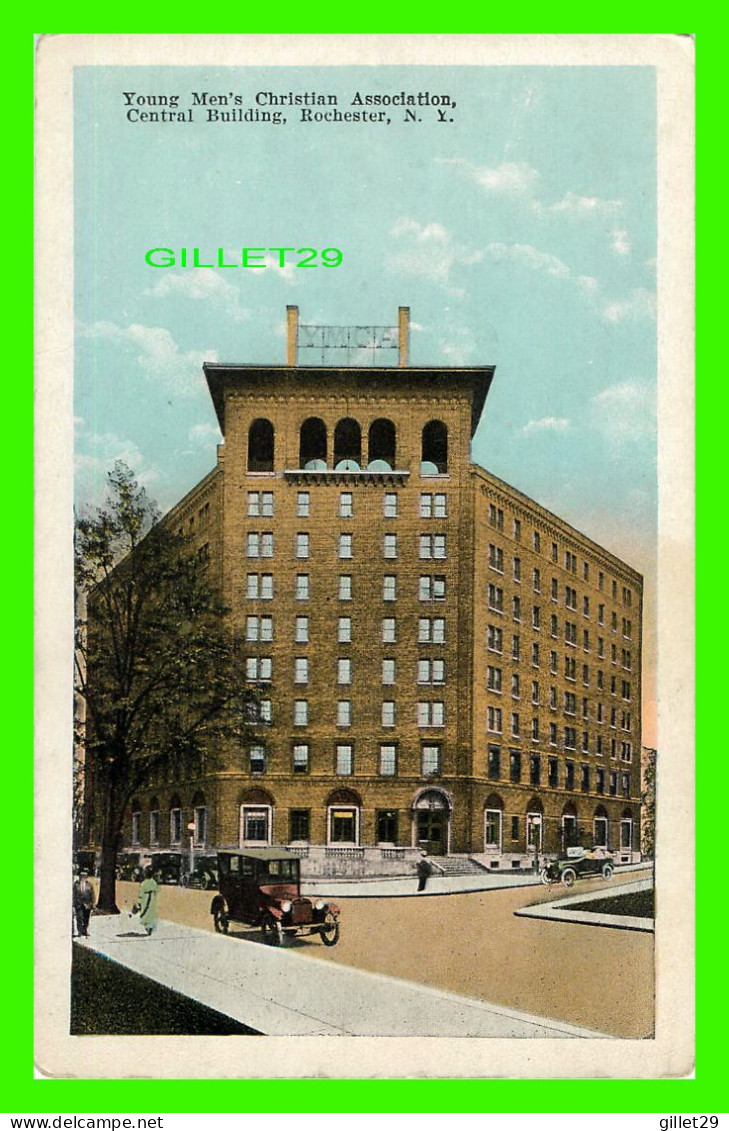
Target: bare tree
157,667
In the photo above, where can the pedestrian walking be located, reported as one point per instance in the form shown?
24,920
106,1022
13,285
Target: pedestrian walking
424,870
83,901
147,900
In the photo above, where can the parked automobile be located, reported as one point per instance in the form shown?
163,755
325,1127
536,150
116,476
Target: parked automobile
204,874
168,866
130,866
579,862
261,886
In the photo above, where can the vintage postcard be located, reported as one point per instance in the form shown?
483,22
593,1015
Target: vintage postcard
364,556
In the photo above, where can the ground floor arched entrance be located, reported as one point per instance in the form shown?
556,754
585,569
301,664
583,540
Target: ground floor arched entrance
431,818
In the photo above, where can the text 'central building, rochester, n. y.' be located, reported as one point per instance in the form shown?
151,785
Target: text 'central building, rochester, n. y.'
441,663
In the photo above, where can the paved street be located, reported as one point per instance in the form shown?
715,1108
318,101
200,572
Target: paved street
472,944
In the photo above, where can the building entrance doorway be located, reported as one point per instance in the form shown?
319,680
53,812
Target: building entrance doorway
432,831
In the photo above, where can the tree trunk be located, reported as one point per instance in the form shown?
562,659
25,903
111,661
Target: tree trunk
109,841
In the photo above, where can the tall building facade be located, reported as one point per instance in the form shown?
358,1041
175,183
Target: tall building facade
440,663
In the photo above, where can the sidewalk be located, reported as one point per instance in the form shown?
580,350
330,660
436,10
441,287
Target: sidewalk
280,993
437,885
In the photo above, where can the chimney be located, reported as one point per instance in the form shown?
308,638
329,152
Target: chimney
403,327
292,334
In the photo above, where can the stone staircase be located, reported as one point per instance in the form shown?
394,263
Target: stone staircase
455,866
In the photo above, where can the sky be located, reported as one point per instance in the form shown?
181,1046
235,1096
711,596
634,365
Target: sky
521,234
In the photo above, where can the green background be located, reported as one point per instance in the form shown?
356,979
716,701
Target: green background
23,1094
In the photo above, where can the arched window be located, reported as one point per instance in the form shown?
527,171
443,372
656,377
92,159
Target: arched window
313,444
347,445
381,445
260,446
434,459
256,817
154,821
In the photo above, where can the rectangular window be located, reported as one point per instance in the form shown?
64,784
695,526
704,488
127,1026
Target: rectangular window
302,504
388,713
430,755
515,648
493,681
535,655
431,671
493,720
514,766
535,769
516,607
432,546
301,632
552,773
267,545
515,686
302,545
535,730
570,738
257,760
301,670
267,628
345,587
517,530
252,586
536,616
599,780
388,671
388,759
515,724
535,692
265,712
386,820
537,581
426,506
389,505
344,671
175,826
254,504
493,767
252,628
389,587
440,506
258,668
517,569
301,712
345,760
298,825
344,712
345,545
301,758
536,541
432,588
346,504
344,630
389,546
496,598
585,778
494,638
569,775
136,827
302,587
266,586
253,545
552,734
555,551
496,558
431,714
389,628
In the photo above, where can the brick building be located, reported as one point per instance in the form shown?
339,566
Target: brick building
441,663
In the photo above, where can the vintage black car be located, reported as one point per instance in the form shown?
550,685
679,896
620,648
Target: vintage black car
204,874
579,862
261,886
130,866
167,866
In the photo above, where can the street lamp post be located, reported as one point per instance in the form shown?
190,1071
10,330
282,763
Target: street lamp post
191,830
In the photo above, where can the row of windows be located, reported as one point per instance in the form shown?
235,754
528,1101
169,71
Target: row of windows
495,725
431,630
570,595
348,448
495,643
344,759
430,671
431,587
496,519
494,682
259,544
429,713
495,598
199,833
261,504
614,779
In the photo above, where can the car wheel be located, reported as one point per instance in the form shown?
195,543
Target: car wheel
568,877
222,923
607,871
544,876
271,930
330,930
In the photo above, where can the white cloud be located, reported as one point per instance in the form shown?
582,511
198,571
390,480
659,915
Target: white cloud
157,354
205,434
621,244
202,286
546,424
528,256
510,178
572,204
640,305
96,454
427,251
625,412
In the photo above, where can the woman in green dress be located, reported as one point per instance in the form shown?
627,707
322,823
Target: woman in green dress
148,896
